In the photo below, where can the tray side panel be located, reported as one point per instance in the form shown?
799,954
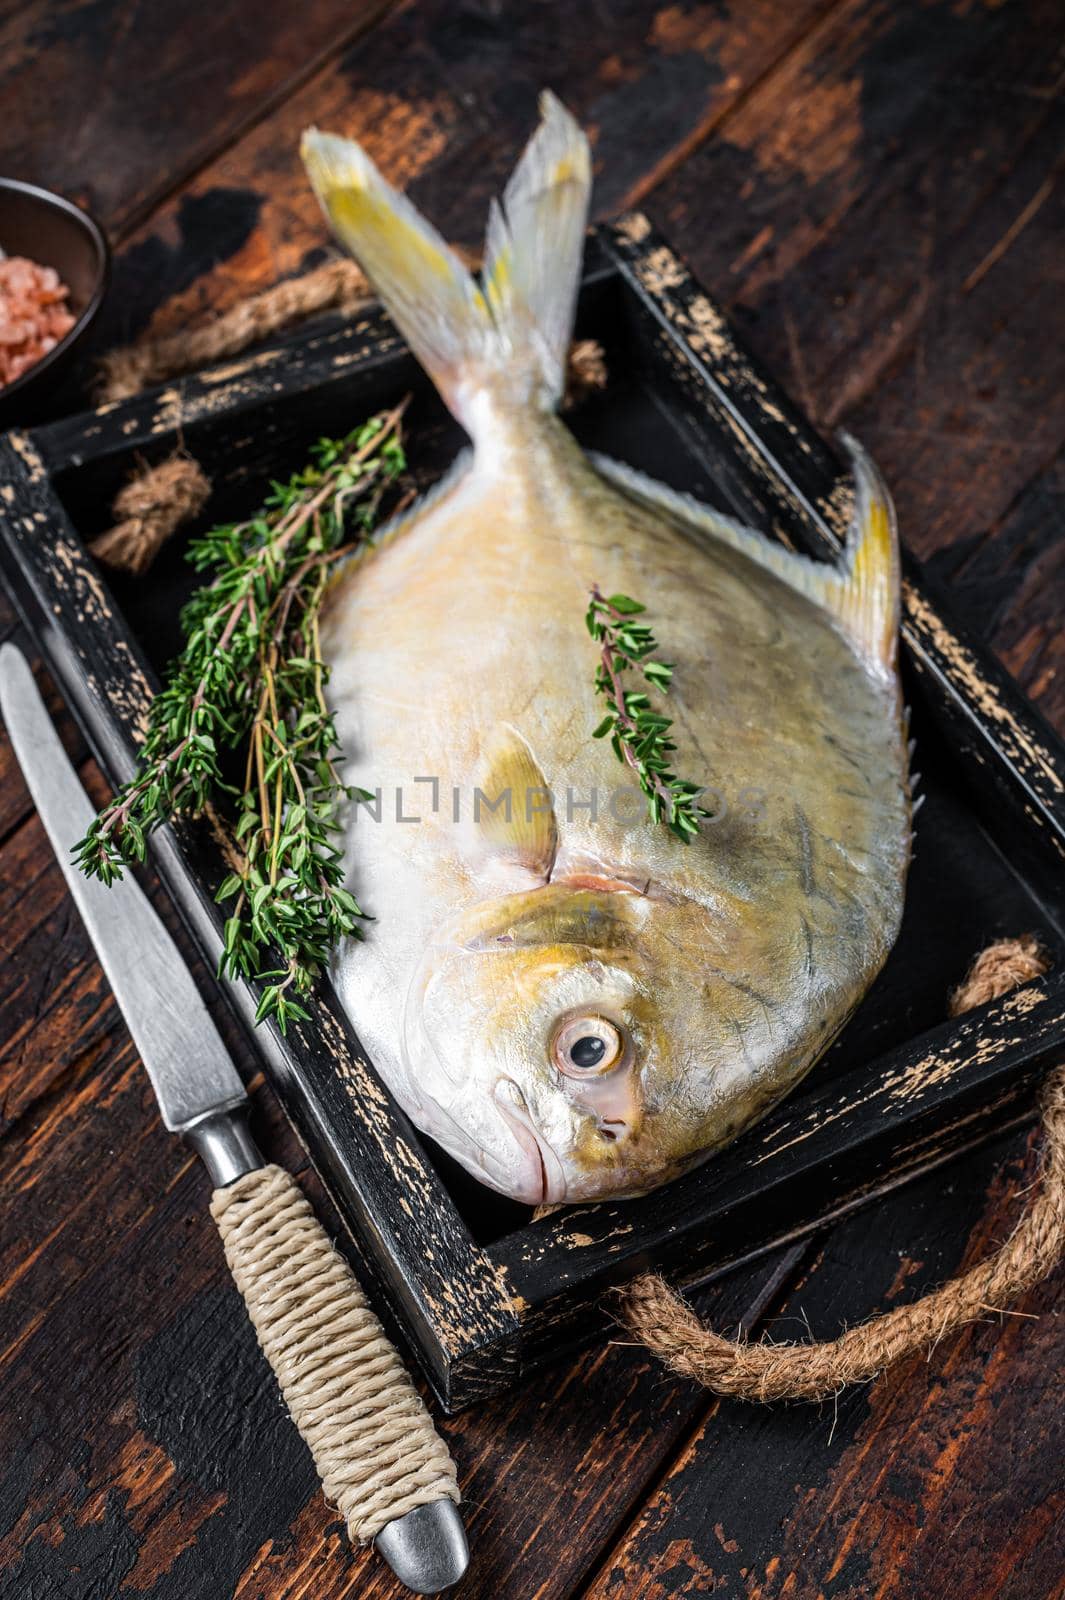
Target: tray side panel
449,1295
782,475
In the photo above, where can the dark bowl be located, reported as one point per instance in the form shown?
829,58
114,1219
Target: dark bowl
55,233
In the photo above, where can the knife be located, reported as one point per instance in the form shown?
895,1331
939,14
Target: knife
377,1453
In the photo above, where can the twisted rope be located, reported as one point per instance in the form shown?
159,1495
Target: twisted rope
374,1444
337,284
151,507
662,1321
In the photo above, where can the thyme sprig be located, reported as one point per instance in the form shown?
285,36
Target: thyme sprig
251,677
638,733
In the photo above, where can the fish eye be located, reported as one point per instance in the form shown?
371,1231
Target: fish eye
588,1046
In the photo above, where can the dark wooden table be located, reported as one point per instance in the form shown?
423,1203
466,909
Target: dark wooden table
875,189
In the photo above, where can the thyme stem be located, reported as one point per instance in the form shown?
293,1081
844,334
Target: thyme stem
250,678
639,735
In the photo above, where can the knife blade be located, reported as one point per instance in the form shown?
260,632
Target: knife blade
309,1313
191,1071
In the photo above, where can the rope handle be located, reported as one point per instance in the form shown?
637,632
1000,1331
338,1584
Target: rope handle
764,1371
377,1452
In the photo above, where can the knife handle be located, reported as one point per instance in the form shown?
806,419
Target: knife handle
374,1444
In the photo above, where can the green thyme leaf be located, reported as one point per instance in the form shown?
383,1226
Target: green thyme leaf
639,735
250,683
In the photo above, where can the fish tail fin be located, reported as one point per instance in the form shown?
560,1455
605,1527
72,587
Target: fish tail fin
426,289
513,336
534,246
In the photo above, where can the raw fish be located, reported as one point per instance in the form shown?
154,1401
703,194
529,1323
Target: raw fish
571,1000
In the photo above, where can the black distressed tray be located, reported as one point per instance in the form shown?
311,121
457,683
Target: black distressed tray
483,1292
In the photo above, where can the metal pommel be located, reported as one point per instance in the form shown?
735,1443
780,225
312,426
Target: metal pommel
224,1144
427,1548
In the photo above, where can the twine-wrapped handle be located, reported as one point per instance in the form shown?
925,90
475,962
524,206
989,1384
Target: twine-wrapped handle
373,1441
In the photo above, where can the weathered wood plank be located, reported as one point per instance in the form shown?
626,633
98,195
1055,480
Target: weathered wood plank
443,97
1009,582
59,1023
15,805
47,969
44,956
167,1500
118,1326
848,211
549,1473
114,103
944,1466
108,1479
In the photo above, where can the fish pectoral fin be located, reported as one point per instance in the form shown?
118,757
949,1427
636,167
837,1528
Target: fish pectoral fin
513,808
860,592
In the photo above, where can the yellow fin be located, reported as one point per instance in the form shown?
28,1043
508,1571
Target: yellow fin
428,292
861,592
513,808
511,339
866,594
534,244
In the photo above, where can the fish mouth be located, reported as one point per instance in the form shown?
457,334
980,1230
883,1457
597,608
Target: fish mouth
514,1109
600,884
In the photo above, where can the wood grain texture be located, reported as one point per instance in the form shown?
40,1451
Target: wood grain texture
443,96
1007,582
168,1499
844,212
871,162
941,1466
114,103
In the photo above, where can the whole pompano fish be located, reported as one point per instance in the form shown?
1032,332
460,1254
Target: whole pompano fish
570,999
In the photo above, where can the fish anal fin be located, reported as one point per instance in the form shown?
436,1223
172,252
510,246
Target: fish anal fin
513,809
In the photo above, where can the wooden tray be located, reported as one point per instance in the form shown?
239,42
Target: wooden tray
483,1292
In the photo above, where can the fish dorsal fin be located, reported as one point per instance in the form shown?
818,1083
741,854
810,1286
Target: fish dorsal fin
512,337
860,592
513,808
